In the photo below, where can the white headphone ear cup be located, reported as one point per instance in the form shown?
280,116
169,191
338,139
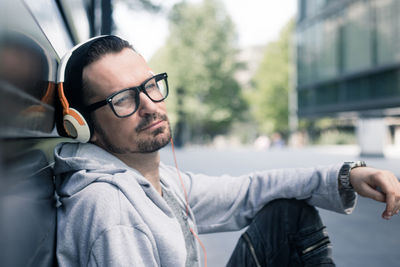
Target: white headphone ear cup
76,126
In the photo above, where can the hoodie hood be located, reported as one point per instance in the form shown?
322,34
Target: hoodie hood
108,207
77,165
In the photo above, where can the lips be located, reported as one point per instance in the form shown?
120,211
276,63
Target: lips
152,125
151,121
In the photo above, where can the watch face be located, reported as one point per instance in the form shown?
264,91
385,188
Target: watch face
344,175
345,182
345,169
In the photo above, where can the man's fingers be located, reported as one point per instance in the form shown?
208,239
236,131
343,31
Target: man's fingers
390,205
392,199
368,191
365,179
392,191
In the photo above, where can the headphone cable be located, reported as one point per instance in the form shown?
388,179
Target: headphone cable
187,203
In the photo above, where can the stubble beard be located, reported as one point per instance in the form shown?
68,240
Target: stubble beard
156,140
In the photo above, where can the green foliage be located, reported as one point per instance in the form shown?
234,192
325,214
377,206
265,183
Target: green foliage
200,59
269,96
329,130
336,137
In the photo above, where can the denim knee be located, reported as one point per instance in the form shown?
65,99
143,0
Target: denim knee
286,232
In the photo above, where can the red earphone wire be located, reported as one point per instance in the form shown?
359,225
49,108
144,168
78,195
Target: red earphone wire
187,203
202,246
180,178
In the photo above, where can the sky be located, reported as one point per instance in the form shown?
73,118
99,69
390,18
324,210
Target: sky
257,22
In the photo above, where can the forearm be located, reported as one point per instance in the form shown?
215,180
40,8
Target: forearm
229,202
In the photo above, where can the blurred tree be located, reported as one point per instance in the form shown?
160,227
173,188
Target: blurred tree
268,97
200,58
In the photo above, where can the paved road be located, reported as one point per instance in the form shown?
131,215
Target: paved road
361,239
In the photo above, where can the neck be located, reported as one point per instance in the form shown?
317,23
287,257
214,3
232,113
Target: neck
145,163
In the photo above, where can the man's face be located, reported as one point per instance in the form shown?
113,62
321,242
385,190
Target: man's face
147,130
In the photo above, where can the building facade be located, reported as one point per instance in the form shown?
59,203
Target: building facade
348,57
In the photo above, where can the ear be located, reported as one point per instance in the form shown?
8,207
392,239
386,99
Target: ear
93,138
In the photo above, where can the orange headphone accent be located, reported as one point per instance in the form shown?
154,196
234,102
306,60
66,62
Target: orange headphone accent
48,95
65,105
74,123
46,99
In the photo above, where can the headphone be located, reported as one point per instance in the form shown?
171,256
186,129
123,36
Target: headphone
74,123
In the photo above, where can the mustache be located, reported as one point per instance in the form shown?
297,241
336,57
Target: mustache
149,119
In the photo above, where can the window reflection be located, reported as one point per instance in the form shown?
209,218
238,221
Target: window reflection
347,55
51,23
26,86
388,31
357,39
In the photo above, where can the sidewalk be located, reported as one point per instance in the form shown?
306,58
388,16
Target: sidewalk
361,239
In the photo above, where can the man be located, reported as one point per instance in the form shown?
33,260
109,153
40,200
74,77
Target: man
122,207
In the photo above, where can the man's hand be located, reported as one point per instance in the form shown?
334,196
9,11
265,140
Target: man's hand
366,180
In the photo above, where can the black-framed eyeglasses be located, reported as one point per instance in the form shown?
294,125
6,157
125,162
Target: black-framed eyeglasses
126,102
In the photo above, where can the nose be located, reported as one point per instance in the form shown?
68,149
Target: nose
146,106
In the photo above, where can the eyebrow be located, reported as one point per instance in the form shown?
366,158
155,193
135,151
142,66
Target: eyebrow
151,75
145,80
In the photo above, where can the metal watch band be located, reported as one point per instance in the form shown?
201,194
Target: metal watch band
344,173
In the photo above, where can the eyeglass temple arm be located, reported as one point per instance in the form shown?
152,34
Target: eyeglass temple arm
96,105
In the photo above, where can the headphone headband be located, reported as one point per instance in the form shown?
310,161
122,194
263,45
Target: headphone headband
71,64
65,59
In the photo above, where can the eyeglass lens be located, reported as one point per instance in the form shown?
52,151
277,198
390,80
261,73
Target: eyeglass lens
125,103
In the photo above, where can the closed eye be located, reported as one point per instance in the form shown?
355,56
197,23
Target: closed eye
151,87
120,101
123,99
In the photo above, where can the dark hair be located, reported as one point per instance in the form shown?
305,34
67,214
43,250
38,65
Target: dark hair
105,45
99,48
75,88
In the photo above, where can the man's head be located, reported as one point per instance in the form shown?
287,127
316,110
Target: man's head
86,54
107,70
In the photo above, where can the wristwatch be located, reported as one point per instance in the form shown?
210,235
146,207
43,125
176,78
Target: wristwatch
344,173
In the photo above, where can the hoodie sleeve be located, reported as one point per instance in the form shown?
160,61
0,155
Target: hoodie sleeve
229,203
122,246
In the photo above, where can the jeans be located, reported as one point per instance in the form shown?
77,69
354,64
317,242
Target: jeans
284,233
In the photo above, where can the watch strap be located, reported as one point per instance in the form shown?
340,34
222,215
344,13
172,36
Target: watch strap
344,173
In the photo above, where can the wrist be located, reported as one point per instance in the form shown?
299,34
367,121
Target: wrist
344,174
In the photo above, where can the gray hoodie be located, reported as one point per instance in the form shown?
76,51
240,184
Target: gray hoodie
112,216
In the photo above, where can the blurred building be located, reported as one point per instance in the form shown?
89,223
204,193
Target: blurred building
348,63
251,58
